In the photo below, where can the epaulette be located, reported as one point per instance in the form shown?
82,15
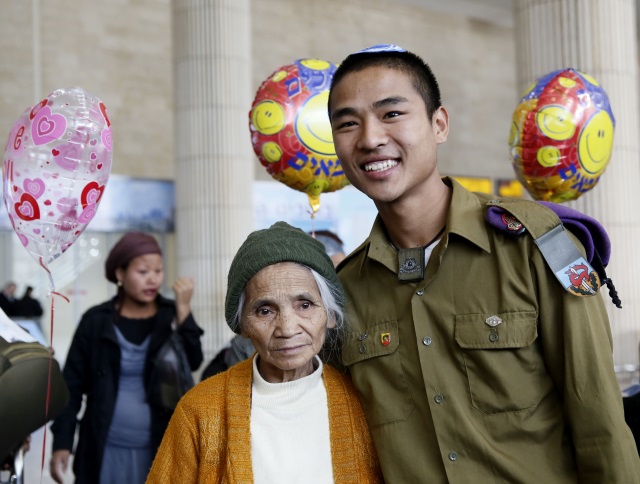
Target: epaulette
578,275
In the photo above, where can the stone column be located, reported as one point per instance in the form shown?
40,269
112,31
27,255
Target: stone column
214,161
599,38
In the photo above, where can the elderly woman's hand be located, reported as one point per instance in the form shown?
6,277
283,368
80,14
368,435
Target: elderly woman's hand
183,291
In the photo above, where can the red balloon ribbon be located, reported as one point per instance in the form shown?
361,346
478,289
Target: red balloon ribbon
48,397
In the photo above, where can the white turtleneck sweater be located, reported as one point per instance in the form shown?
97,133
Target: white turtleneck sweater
290,430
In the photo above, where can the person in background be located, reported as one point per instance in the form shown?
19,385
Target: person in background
334,247
237,350
281,416
110,361
28,306
240,348
332,244
473,363
8,301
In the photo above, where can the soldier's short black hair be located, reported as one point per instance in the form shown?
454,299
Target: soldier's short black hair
422,77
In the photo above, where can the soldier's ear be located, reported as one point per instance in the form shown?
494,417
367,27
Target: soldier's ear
440,124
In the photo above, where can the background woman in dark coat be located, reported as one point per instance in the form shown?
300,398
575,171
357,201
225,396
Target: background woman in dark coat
110,362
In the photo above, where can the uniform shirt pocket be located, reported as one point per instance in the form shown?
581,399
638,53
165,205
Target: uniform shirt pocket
373,357
502,360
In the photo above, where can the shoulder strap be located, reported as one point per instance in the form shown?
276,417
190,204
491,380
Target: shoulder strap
560,252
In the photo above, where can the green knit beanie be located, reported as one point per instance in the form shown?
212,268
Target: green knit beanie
279,243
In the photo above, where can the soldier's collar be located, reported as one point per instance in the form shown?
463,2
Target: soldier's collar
466,216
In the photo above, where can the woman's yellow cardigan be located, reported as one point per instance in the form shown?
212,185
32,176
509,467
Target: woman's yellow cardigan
209,439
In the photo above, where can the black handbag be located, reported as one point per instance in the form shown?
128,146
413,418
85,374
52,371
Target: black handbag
171,375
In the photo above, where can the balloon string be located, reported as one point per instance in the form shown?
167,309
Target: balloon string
51,283
48,396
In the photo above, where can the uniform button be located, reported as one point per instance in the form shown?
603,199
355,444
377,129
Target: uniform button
493,337
420,292
363,349
426,341
453,456
439,399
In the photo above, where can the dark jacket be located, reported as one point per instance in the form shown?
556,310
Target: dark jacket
9,306
28,307
93,369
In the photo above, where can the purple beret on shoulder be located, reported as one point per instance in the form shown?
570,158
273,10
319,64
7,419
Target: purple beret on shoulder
588,230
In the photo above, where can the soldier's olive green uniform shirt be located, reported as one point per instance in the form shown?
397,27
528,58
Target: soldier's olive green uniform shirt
450,398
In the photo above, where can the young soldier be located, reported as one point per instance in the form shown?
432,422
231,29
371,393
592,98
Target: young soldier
472,361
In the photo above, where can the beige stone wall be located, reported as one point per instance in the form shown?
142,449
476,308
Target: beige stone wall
119,51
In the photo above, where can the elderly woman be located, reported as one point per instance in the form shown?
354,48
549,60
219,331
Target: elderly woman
281,416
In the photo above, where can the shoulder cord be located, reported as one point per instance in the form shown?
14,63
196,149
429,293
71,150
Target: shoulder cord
599,267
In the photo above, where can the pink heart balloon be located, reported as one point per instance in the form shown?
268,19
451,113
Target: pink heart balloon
52,155
34,187
47,127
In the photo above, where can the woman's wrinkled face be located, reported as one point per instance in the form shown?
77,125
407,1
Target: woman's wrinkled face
285,319
142,279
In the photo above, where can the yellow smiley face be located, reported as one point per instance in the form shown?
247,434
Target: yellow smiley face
271,152
313,191
514,134
315,64
548,156
518,119
312,125
566,82
555,122
268,117
595,143
316,187
278,76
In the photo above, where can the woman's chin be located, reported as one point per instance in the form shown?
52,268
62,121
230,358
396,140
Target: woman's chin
293,363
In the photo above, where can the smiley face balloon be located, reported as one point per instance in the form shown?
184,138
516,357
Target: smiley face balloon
562,136
290,129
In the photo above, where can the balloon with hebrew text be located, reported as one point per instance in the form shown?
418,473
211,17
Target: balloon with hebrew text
562,136
56,165
290,129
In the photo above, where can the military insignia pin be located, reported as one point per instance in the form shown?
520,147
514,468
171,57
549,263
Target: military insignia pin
385,339
411,264
493,321
511,222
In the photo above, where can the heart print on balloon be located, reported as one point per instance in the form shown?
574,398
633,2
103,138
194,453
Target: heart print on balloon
56,165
